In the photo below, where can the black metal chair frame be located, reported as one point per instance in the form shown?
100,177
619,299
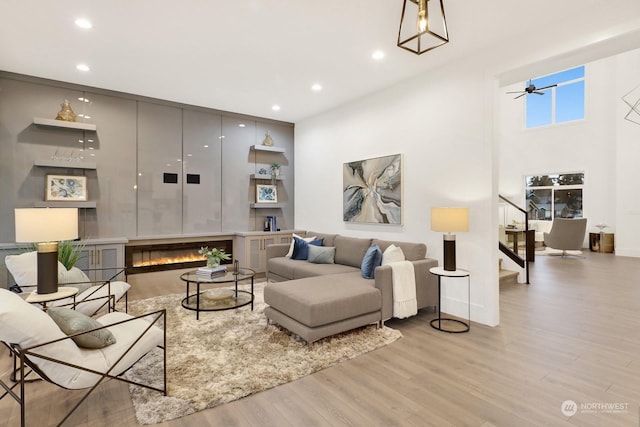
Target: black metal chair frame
26,364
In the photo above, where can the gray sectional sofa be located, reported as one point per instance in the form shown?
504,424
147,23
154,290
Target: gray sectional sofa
318,300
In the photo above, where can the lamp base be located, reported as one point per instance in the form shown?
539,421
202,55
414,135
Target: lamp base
47,268
450,252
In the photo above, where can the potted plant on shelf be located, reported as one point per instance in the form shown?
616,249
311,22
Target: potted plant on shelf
275,169
214,256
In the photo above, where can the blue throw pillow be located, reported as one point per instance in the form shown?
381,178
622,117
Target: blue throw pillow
301,248
372,259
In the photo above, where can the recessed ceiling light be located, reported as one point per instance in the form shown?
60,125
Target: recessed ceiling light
205,146
241,125
83,67
189,155
316,87
83,99
275,107
84,23
377,55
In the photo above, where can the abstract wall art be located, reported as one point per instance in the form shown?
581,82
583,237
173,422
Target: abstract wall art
66,188
372,190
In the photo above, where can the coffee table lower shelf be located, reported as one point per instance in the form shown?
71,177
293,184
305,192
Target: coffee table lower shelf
203,302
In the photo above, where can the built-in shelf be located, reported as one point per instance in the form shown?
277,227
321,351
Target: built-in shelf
62,124
61,164
271,148
64,204
266,177
265,205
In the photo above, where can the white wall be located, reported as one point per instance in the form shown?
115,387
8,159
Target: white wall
442,123
627,159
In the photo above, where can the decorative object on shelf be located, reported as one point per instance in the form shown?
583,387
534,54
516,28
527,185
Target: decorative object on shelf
268,141
632,99
426,26
275,169
266,194
447,220
47,226
214,256
262,171
271,223
66,113
372,190
66,188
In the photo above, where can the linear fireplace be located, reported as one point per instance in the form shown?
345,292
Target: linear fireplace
170,256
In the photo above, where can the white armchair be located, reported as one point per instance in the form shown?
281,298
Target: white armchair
41,346
92,297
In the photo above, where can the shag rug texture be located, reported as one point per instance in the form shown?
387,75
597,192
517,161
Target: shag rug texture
227,355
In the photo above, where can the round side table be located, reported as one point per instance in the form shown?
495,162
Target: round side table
437,323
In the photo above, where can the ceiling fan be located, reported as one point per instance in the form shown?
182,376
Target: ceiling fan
532,89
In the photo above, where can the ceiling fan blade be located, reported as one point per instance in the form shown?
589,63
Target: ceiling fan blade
546,87
521,95
518,91
538,93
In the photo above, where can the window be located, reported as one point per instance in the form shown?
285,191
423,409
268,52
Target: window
559,104
554,196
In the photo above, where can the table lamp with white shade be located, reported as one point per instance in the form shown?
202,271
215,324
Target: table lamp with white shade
46,227
449,220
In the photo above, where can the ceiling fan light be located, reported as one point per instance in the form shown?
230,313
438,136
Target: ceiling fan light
431,29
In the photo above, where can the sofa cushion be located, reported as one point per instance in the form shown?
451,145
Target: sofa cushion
293,241
350,250
301,248
318,301
321,254
392,254
328,238
308,269
73,322
372,259
412,251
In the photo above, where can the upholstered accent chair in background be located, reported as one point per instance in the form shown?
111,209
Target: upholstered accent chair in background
566,234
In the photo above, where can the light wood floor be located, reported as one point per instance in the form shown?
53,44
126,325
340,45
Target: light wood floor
574,334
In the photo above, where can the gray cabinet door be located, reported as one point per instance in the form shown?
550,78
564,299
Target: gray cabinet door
159,170
202,168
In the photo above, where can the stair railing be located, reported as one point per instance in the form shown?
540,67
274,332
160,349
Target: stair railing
513,253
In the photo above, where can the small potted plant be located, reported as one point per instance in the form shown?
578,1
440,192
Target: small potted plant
214,256
275,169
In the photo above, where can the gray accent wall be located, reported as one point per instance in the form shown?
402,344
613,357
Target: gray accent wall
137,141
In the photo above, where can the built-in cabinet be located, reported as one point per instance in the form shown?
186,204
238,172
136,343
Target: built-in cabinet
103,260
251,248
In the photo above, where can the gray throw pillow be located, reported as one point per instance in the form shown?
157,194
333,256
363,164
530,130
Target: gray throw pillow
73,322
321,254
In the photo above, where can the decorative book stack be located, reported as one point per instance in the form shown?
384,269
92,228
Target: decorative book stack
211,271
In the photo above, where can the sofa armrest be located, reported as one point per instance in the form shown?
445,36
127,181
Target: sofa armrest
426,285
277,250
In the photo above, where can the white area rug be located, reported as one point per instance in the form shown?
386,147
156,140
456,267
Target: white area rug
230,354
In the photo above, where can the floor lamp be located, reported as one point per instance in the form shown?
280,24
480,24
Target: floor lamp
448,220
46,227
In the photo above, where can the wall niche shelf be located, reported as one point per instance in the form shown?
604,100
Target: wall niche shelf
62,204
66,165
265,205
270,148
62,124
266,177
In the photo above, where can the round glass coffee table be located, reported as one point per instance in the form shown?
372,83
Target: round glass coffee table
218,294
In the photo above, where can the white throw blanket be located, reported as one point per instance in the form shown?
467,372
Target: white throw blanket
405,303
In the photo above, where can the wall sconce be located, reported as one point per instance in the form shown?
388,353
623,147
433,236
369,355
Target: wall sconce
448,220
423,26
46,226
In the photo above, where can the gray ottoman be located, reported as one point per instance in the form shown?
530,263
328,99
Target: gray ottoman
320,306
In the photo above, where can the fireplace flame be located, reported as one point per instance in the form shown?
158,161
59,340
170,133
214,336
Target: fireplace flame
170,260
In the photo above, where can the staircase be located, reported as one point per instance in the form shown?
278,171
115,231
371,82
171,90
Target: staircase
515,222
507,277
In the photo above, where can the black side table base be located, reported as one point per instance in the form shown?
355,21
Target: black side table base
435,324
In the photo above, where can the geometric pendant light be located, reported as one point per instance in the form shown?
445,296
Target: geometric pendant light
632,99
423,26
